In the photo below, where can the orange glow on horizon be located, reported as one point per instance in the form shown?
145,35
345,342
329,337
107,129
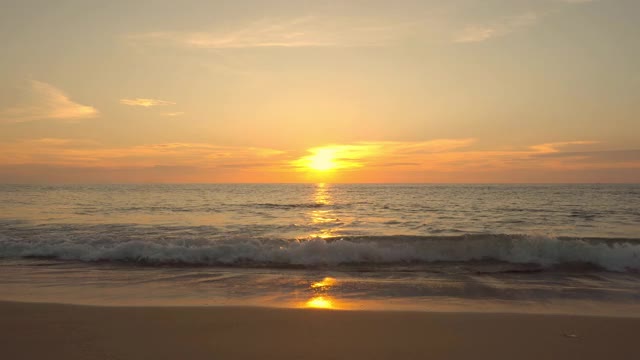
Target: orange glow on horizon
438,160
327,159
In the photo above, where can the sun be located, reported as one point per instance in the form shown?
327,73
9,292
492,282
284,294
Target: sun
328,159
323,160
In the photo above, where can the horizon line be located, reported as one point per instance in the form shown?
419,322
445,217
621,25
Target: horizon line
320,182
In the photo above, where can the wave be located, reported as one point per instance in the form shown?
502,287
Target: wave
542,251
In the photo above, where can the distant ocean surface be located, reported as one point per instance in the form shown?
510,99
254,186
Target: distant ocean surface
560,248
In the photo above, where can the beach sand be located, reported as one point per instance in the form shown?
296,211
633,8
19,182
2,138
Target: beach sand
50,331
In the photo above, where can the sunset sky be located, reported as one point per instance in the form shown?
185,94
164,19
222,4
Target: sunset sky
311,91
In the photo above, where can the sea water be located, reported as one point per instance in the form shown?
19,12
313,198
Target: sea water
522,248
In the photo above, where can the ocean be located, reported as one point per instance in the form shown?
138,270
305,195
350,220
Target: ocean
499,248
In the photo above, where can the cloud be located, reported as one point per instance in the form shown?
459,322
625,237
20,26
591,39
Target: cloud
475,33
308,31
173,114
145,102
79,153
440,160
436,21
556,146
452,155
362,154
45,101
480,33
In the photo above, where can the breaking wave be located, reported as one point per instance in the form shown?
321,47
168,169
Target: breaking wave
546,252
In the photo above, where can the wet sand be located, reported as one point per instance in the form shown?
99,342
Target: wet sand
50,331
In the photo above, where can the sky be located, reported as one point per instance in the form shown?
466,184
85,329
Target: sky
456,91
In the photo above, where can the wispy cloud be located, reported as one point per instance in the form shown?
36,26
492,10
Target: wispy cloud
484,32
349,156
557,146
308,31
451,160
453,155
81,153
438,154
480,32
45,101
145,102
173,114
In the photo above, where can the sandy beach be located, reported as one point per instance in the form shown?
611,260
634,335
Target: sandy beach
51,331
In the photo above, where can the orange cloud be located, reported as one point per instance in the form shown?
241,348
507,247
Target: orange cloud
361,154
82,153
173,114
47,102
145,102
450,160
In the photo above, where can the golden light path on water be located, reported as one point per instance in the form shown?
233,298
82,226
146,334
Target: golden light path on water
322,300
322,217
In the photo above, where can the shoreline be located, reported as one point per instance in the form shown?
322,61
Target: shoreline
60,331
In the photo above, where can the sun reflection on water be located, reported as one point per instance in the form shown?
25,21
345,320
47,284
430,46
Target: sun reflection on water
322,217
321,299
320,302
321,195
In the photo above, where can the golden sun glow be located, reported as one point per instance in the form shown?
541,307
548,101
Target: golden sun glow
329,158
323,160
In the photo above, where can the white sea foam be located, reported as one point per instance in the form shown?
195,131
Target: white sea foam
615,255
